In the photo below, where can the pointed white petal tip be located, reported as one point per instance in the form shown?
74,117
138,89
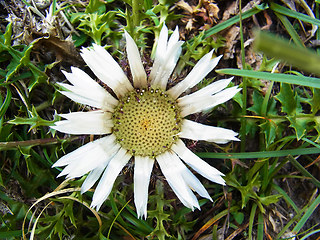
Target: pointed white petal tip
65,73
107,69
96,47
62,174
180,179
83,190
198,164
217,58
197,131
164,28
105,185
142,171
126,34
94,206
137,70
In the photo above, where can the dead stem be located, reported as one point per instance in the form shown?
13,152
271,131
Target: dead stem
34,142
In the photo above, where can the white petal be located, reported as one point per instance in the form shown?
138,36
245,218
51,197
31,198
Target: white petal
87,91
194,183
109,176
82,100
174,38
136,67
93,114
142,171
166,68
95,122
204,92
198,131
191,180
88,157
161,51
171,169
199,71
167,55
92,177
162,43
106,69
202,103
70,157
81,79
197,163
90,161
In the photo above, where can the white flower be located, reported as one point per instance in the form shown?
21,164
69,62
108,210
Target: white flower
145,121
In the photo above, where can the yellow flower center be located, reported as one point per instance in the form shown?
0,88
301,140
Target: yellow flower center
146,122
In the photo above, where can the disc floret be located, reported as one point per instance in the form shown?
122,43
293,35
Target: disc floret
147,121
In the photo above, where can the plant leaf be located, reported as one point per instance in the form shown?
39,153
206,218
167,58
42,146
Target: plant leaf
290,101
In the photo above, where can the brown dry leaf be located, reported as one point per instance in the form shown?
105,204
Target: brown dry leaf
250,5
272,222
231,37
213,10
189,25
209,12
185,6
230,11
268,21
252,58
188,11
205,14
63,49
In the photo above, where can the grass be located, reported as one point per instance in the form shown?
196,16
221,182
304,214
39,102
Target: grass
271,175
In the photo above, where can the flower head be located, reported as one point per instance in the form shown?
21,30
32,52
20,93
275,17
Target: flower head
142,120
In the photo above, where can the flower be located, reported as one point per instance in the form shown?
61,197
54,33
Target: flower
143,121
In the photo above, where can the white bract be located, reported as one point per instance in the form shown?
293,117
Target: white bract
143,121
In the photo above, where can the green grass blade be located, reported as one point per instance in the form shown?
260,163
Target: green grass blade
131,216
311,142
310,234
277,77
251,220
286,197
307,214
10,234
114,220
303,171
290,29
263,154
287,227
116,211
290,13
260,235
140,225
6,103
221,26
